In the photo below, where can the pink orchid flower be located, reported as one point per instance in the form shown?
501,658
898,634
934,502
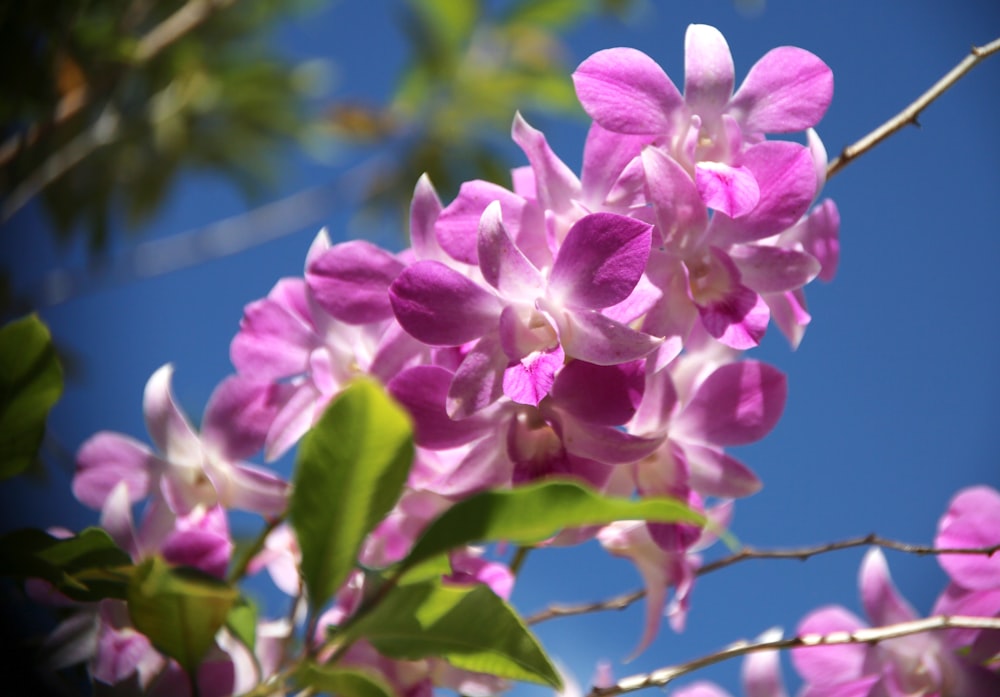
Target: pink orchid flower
192,469
919,664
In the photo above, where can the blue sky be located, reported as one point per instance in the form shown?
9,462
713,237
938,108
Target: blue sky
894,393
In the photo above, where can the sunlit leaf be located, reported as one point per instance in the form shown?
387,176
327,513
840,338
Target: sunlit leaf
242,622
350,471
179,609
470,626
345,682
532,513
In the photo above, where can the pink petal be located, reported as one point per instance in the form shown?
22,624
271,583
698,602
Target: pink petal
167,424
238,416
773,269
972,520
604,444
625,91
478,380
700,689
879,596
441,307
600,261
250,488
605,157
788,310
737,404
708,70
529,380
658,569
351,281
555,183
457,224
524,331
592,337
395,351
824,665
425,207
658,402
640,301
107,459
120,653
680,212
738,320
116,518
423,390
786,176
955,600
818,152
713,473
606,395
299,407
731,190
788,89
818,234
503,265
761,672
274,340
206,550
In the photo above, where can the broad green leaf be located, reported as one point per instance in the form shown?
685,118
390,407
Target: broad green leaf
470,626
87,567
350,471
345,682
532,513
242,622
30,383
179,609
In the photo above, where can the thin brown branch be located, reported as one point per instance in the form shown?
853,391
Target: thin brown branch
873,635
620,602
803,553
910,114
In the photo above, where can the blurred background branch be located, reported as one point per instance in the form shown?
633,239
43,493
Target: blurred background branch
115,100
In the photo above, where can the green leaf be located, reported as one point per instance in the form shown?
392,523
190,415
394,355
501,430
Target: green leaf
350,471
30,383
532,513
345,682
470,626
87,567
179,609
242,622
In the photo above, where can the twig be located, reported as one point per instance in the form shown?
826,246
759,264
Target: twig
804,553
910,114
662,676
620,602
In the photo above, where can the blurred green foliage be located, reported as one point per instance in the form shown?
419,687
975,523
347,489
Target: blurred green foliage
112,100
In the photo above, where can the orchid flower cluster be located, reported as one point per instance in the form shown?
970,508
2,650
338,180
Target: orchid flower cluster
585,326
